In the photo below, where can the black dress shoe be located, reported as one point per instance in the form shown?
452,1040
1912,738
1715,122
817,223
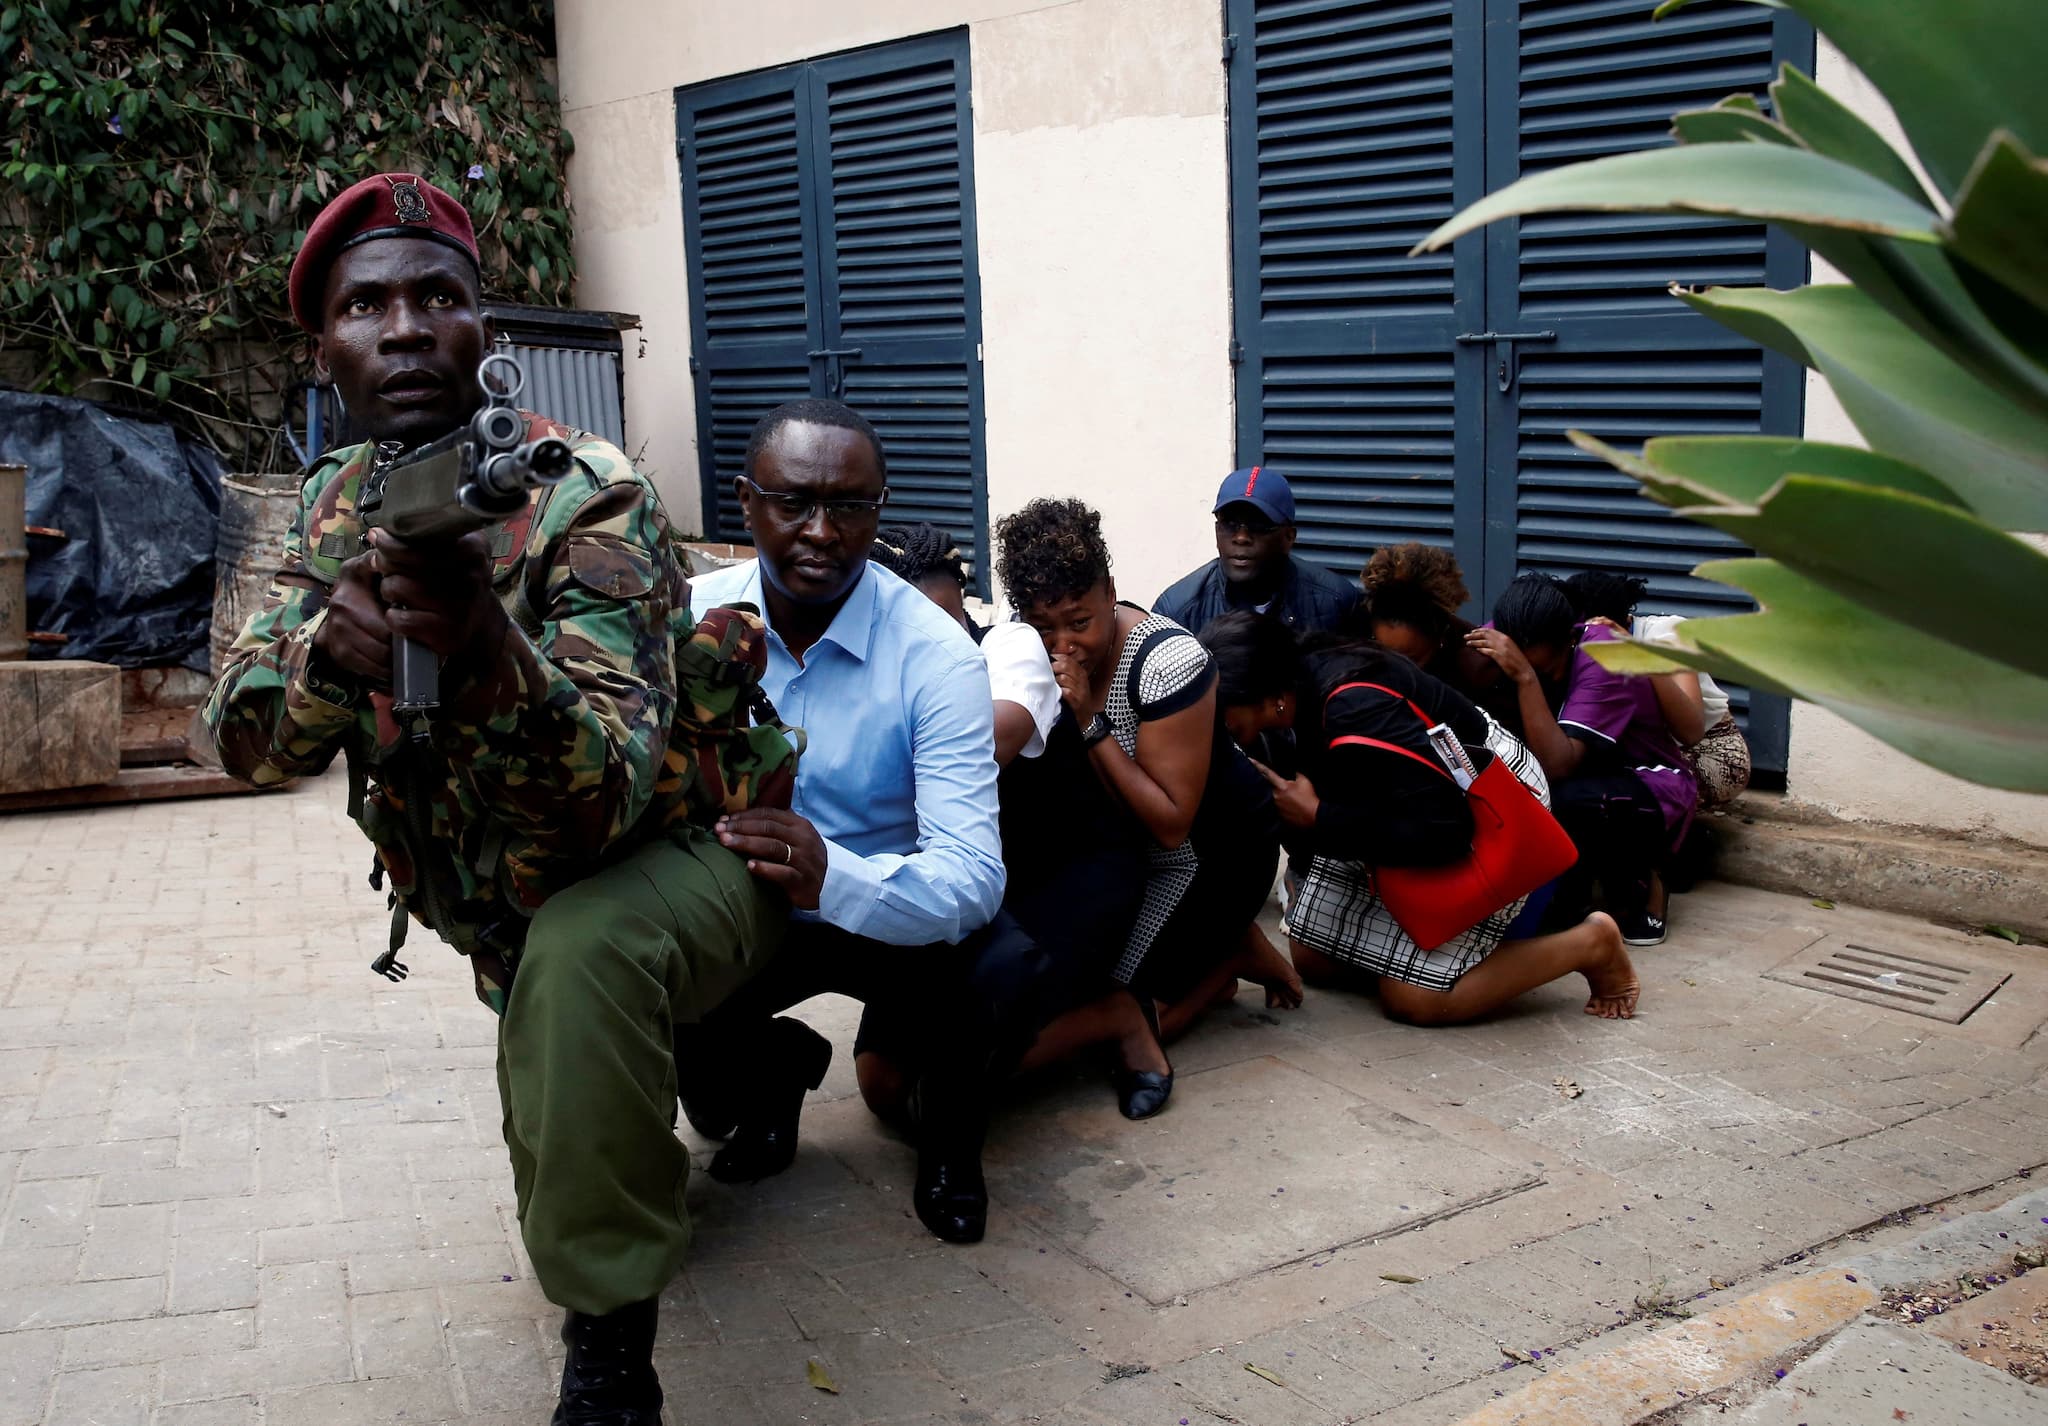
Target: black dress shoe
1142,1093
608,1378
951,1197
764,1143
712,1121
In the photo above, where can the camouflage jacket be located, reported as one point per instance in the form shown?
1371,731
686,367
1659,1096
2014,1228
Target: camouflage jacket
511,797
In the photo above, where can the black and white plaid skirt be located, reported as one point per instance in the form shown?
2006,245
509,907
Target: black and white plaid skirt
1338,914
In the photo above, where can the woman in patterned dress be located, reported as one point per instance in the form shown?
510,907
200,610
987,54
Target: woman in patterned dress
1355,806
1142,693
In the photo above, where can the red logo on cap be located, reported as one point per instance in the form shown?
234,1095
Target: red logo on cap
1253,482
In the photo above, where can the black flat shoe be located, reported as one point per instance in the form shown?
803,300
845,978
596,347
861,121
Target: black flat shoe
608,1378
951,1197
1143,1093
764,1142
712,1122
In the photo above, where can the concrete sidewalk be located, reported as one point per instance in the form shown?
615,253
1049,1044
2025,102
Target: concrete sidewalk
247,1181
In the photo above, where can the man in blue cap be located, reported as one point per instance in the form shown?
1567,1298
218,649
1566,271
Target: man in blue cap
1255,567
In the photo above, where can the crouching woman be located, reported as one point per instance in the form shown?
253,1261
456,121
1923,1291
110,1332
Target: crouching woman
1368,795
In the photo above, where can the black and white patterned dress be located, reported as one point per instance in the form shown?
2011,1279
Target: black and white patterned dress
1162,671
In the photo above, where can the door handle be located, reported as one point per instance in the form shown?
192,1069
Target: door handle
835,373
1504,351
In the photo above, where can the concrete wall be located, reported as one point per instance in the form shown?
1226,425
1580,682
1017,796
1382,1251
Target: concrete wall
1102,189
1103,204
1836,767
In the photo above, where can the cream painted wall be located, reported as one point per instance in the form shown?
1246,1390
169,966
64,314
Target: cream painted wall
1103,209
1834,766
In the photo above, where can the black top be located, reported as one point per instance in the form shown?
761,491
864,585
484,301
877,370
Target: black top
1310,598
1378,806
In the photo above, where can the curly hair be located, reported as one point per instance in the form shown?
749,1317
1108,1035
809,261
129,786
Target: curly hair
1415,585
1050,550
916,553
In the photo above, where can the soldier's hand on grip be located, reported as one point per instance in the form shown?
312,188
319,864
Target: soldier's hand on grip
440,596
353,634
780,847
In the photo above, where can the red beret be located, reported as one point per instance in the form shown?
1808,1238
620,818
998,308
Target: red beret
384,205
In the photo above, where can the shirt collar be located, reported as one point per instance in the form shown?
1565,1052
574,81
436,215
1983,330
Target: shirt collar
852,628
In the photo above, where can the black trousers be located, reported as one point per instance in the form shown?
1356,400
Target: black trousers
1618,827
975,1006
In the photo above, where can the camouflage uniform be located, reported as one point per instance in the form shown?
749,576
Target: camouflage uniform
552,822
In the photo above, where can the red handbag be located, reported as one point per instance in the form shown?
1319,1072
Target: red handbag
1517,846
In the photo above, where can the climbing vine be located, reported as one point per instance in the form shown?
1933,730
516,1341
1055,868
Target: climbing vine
162,160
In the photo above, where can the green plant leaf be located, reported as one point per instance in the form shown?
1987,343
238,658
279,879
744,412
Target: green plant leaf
1735,120
1828,126
1737,181
1686,471
1876,548
1954,71
1908,399
2000,224
1894,682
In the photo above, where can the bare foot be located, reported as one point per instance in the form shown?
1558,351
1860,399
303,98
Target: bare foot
1264,965
1611,976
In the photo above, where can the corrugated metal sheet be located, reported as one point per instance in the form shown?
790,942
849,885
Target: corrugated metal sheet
577,388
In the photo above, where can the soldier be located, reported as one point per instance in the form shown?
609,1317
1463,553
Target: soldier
523,822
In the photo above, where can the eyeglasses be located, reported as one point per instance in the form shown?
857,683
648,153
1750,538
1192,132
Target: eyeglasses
792,508
1254,528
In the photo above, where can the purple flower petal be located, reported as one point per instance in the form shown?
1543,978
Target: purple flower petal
476,170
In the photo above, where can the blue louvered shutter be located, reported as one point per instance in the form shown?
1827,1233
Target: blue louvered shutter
750,245
902,304
829,227
1576,79
1354,131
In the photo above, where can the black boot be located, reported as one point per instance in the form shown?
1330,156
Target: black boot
608,1379
951,1197
795,1061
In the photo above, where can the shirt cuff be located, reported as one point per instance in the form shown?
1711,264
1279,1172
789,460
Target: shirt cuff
310,689
851,890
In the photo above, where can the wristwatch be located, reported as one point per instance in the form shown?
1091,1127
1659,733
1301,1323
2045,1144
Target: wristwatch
1098,728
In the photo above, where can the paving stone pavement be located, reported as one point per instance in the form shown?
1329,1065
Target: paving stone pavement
245,1181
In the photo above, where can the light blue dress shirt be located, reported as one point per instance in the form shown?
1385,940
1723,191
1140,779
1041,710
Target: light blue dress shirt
899,776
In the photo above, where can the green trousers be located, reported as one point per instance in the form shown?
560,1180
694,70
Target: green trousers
586,1059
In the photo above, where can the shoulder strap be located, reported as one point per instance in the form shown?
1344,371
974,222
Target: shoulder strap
1358,740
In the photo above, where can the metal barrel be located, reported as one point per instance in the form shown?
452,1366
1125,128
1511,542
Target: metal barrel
256,513
13,562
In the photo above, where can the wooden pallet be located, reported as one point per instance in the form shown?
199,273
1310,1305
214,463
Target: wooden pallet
157,762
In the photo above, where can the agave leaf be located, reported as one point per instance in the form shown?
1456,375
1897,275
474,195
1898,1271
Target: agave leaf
1694,471
1891,680
1734,120
1828,126
1882,549
1955,71
2000,224
1908,399
1751,181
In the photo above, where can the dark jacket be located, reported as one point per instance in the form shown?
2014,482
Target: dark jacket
1310,600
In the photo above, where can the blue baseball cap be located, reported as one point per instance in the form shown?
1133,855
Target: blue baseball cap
1265,490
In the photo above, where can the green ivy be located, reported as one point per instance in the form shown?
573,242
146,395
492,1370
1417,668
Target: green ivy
163,159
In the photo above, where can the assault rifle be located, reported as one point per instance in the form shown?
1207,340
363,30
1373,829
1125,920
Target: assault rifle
470,479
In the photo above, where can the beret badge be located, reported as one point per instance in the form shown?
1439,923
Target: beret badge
409,203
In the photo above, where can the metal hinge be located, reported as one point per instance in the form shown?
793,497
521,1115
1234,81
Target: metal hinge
1229,48
682,148
1236,351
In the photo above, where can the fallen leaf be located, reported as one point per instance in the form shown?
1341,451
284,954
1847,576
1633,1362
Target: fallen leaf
1898,1414
1398,1277
1823,903
815,1375
1569,1088
1515,1355
1263,1374
2004,933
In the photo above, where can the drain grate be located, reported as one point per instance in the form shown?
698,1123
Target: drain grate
1927,982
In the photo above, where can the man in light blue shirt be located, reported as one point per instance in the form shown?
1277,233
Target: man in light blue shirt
891,853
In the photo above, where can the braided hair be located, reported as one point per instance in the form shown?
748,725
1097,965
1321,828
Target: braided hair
1602,594
917,553
1050,550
